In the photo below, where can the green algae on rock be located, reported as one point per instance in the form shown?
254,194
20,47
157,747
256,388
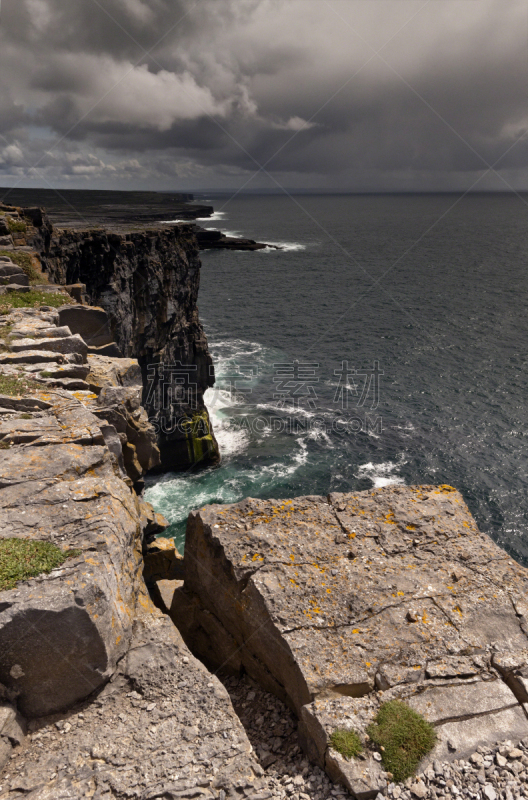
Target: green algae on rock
201,444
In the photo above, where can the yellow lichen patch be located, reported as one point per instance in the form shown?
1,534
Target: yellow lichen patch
410,527
400,594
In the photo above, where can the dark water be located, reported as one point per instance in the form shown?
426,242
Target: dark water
433,289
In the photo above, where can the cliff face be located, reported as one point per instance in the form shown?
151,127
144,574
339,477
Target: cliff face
147,282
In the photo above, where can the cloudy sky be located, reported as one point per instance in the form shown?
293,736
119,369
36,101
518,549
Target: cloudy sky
354,95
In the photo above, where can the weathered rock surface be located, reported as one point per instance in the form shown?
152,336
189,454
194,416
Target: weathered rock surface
61,635
337,605
163,727
50,355
91,323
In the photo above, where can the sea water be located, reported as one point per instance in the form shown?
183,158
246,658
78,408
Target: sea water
386,343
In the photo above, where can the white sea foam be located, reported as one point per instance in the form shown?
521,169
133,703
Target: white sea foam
230,441
381,474
216,215
291,246
285,409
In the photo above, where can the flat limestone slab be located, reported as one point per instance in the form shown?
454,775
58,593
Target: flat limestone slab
392,593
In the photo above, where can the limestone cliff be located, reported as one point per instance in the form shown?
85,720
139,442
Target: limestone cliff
147,281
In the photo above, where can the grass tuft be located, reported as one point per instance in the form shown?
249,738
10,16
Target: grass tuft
405,736
32,299
16,387
21,559
16,225
346,742
29,263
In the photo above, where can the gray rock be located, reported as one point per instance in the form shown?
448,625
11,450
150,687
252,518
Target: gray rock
18,278
8,268
136,735
19,287
12,730
66,344
91,323
147,282
313,618
62,636
31,357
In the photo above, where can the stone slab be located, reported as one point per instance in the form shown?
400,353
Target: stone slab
89,322
66,344
391,592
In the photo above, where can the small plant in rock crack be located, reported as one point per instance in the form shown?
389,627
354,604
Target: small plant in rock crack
403,736
346,742
16,226
21,559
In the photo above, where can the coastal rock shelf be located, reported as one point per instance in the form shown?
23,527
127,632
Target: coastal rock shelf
339,604
99,695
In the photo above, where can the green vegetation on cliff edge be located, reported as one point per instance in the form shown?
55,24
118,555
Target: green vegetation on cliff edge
31,299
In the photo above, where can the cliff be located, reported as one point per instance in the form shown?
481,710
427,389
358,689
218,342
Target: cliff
147,281
83,652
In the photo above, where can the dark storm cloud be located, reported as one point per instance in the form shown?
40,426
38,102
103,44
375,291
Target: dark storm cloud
229,85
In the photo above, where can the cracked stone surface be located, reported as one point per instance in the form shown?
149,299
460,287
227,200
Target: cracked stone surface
163,727
371,596
62,480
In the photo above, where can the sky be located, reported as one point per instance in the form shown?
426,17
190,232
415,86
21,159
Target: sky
347,95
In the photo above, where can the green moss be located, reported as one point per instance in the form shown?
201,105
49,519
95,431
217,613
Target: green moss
404,736
32,299
27,263
21,559
346,742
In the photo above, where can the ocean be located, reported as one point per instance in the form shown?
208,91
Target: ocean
384,344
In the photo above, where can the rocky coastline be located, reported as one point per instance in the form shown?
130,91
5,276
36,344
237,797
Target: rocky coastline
130,672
